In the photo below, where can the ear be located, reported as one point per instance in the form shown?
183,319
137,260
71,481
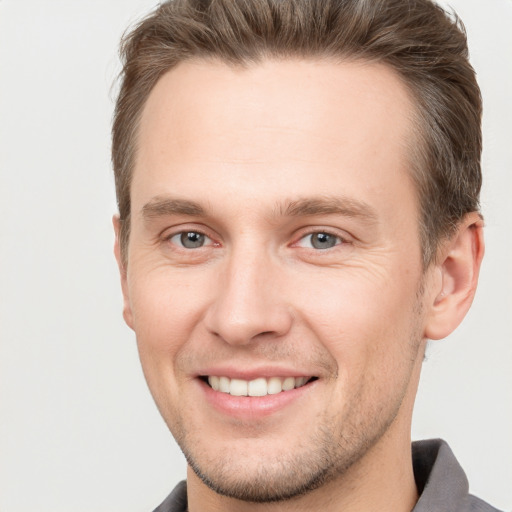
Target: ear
127,311
457,270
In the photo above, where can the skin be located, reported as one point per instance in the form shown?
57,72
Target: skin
269,155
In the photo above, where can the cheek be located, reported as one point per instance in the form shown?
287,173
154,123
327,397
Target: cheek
351,301
166,308
164,316
362,319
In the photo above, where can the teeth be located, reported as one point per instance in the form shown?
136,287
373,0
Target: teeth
214,383
256,387
223,384
274,386
238,387
288,383
300,381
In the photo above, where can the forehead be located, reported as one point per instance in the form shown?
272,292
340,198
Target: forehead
296,124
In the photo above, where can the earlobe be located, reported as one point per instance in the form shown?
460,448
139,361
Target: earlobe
127,312
457,271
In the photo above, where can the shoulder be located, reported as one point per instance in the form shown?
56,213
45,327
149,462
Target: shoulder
475,504
441,481
176,501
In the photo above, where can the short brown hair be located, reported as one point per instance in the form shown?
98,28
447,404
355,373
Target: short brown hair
425,45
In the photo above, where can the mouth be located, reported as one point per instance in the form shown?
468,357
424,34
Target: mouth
261,386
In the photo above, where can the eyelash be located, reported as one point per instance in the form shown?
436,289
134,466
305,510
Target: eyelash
180,234
339,240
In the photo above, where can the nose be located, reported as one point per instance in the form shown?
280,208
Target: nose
249,301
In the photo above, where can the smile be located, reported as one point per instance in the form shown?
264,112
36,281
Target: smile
257,387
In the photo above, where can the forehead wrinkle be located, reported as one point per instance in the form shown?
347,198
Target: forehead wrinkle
327,205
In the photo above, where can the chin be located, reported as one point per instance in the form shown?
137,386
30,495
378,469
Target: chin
265,474
271,481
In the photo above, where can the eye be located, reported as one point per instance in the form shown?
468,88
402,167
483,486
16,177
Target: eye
320,241
190,239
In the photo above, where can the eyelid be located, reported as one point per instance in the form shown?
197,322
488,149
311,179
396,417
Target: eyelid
303,233
170,232
207,239
310,244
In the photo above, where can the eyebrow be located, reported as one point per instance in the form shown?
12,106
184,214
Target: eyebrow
331,205
303,207
167,206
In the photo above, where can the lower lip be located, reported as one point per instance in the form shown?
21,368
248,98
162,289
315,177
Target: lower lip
253,407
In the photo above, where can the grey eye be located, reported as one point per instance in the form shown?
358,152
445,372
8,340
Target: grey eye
189,239
323,240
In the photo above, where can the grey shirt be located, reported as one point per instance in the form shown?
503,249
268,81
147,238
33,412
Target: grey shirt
441,482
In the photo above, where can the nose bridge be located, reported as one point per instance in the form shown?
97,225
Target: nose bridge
248,302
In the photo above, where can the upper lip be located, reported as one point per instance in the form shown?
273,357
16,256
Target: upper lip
232,372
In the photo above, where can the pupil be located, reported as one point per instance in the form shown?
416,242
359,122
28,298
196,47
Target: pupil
323,241
192,240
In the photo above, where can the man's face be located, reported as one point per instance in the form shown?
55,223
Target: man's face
274,245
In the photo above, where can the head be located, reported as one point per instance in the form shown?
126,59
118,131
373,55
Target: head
298,193
417,39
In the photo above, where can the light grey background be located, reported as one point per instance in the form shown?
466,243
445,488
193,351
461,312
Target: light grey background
78,429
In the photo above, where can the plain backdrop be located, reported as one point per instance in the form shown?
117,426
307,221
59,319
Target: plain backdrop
78,428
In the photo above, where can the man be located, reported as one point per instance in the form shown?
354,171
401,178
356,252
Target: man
298,187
